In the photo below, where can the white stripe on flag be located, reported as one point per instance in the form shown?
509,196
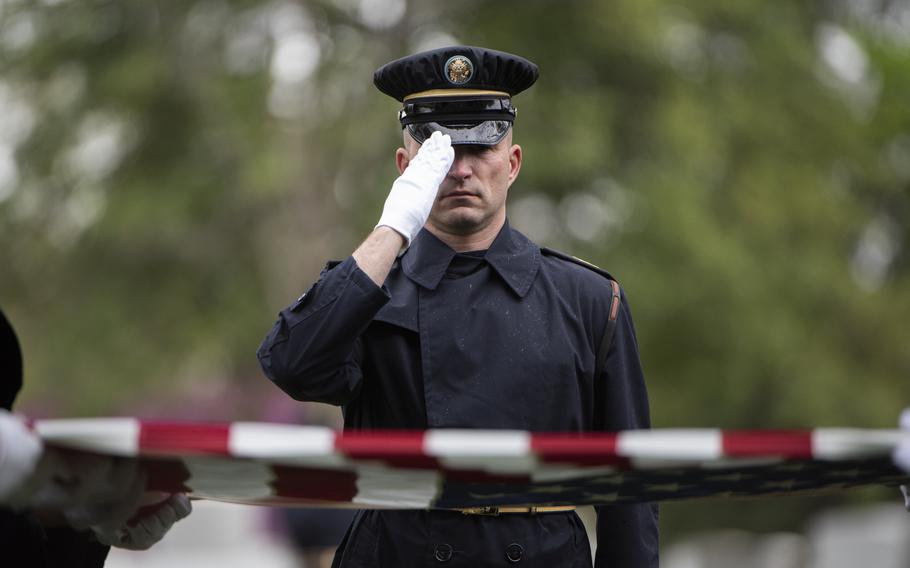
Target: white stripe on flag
655,448
117,436
381,486
228,479
549,473
846,443
284,443
500,451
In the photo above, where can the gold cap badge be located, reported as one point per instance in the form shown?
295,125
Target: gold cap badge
459,69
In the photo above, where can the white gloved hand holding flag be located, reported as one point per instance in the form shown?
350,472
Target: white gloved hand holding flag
85,488
148,526
104,493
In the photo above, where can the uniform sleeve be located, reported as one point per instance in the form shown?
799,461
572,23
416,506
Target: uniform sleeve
313,351
627,535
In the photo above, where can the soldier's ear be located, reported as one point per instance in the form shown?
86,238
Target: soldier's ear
402,159
514,162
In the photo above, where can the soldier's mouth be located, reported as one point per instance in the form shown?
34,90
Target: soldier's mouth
459,194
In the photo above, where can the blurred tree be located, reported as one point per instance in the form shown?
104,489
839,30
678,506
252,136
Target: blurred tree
743,170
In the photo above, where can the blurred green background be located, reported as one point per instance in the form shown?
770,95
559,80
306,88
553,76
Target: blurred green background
174,173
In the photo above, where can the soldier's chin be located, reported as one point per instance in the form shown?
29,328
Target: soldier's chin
461,220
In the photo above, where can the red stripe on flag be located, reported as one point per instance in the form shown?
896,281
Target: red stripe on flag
794,444
314,484
167,475
398,449
175,437
587,449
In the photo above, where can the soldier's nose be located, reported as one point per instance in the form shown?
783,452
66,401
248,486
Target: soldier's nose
461,167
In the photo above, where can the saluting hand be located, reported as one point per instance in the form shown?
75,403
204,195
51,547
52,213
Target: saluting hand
413,193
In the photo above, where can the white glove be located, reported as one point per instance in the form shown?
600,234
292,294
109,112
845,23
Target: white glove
20,450
413,193
146,528
103,489
87,489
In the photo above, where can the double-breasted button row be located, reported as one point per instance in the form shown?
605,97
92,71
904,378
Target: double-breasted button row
514,552
443,552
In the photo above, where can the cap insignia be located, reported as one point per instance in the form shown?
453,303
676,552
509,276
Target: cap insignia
459,69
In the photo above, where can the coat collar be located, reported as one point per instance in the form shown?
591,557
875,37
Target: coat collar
512,255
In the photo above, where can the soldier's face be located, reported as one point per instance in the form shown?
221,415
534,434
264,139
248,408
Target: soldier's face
473,194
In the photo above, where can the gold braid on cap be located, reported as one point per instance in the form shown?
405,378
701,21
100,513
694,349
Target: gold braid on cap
454,93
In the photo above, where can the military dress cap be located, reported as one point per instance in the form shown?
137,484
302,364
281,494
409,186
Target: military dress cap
465,92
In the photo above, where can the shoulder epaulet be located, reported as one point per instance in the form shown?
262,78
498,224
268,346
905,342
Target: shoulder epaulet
576,260
607,337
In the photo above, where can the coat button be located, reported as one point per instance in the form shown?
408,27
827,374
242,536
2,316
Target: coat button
514,552
443,552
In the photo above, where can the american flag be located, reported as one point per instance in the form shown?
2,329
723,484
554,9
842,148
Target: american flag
277,464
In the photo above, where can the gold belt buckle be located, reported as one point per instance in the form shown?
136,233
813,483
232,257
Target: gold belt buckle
488,511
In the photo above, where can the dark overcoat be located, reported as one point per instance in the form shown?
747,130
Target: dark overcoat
507,338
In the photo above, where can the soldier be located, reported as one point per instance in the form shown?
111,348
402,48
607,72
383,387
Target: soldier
67,511
472,326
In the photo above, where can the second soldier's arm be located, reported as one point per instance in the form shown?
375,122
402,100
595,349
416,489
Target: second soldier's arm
627,535
313,350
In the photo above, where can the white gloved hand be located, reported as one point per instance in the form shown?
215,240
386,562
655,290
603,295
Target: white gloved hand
146,528
87,489
20,450
105,490
413,193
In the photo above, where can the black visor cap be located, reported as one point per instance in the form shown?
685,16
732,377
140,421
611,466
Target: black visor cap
485,133
445,108
481,121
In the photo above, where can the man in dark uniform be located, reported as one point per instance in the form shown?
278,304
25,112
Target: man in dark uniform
473,326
